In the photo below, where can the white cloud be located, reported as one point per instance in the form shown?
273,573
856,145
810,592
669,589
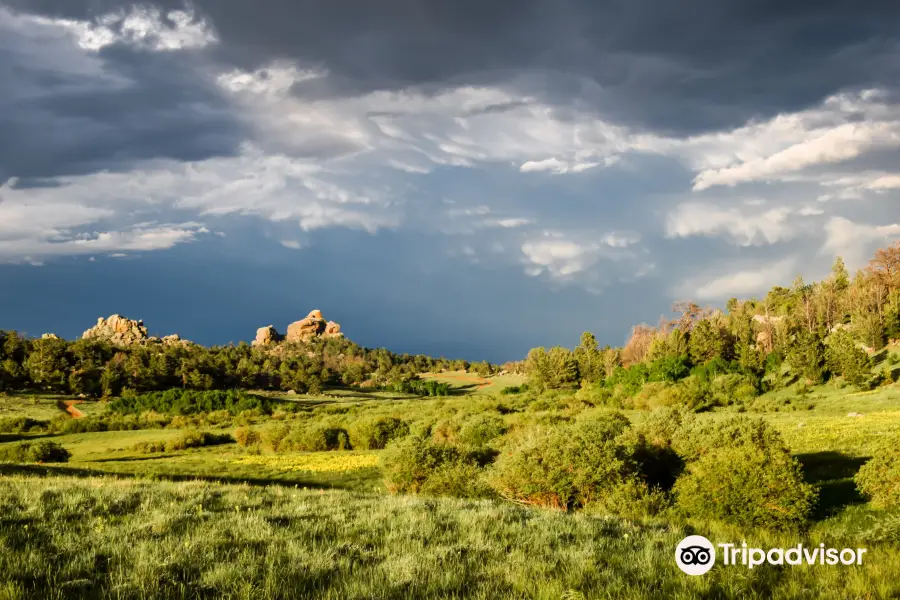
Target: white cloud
854,241
744,228
834,145
810,211
559,167
562,255
742,283
843,127
885,182
414,131
558,257
621,239
511,223
143,27
163,237
41,220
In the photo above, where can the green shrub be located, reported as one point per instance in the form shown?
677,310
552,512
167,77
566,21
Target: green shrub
745,486
446,432
422,387
22,425
192,438
695,437
567,467
844,357
669,368
318,438
375,434
732,388
879,479
149,447
182,422
740,471
273,436
190,402
246,436
514,389
42,451
651,445
481,429
418,465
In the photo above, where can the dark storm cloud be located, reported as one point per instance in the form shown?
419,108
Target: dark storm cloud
104,111
676,66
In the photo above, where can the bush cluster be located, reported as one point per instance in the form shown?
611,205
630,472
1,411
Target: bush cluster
370,433
566,467
191,402
418,465
20,424
41,451
879,478
737,471
377,433
190,438
422,387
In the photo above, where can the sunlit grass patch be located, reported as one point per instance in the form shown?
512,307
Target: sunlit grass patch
313,462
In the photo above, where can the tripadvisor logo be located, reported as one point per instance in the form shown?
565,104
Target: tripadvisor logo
695,555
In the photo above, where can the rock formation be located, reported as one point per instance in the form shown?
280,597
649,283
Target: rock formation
313,325
333,329
267,335
117,330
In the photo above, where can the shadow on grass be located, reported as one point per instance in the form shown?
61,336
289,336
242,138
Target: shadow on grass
31,470
832,472
24,437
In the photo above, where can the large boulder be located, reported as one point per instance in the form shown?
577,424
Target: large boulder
333,329
304,330
313,325
117,330
267,335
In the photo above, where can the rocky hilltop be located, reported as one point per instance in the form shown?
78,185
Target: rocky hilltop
314,325
117,330
122,331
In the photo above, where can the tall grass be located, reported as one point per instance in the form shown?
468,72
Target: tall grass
63,537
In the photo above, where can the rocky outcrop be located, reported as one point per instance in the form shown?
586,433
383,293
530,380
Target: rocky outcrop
173,339
313,325
333,329
117,330
267,335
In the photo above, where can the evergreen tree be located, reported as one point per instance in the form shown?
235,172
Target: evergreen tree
844,357
807,357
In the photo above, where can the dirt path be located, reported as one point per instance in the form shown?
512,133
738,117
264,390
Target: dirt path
72,409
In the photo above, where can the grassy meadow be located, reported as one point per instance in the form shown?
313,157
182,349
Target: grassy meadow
235,521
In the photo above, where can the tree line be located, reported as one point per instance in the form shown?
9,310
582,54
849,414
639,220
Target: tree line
807,332
96,368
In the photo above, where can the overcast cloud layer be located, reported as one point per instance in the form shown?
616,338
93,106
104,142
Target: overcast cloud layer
459,178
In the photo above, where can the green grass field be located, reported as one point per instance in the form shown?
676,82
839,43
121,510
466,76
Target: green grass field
226,521
67,537
471,383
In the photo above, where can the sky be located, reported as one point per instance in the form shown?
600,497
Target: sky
453,177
